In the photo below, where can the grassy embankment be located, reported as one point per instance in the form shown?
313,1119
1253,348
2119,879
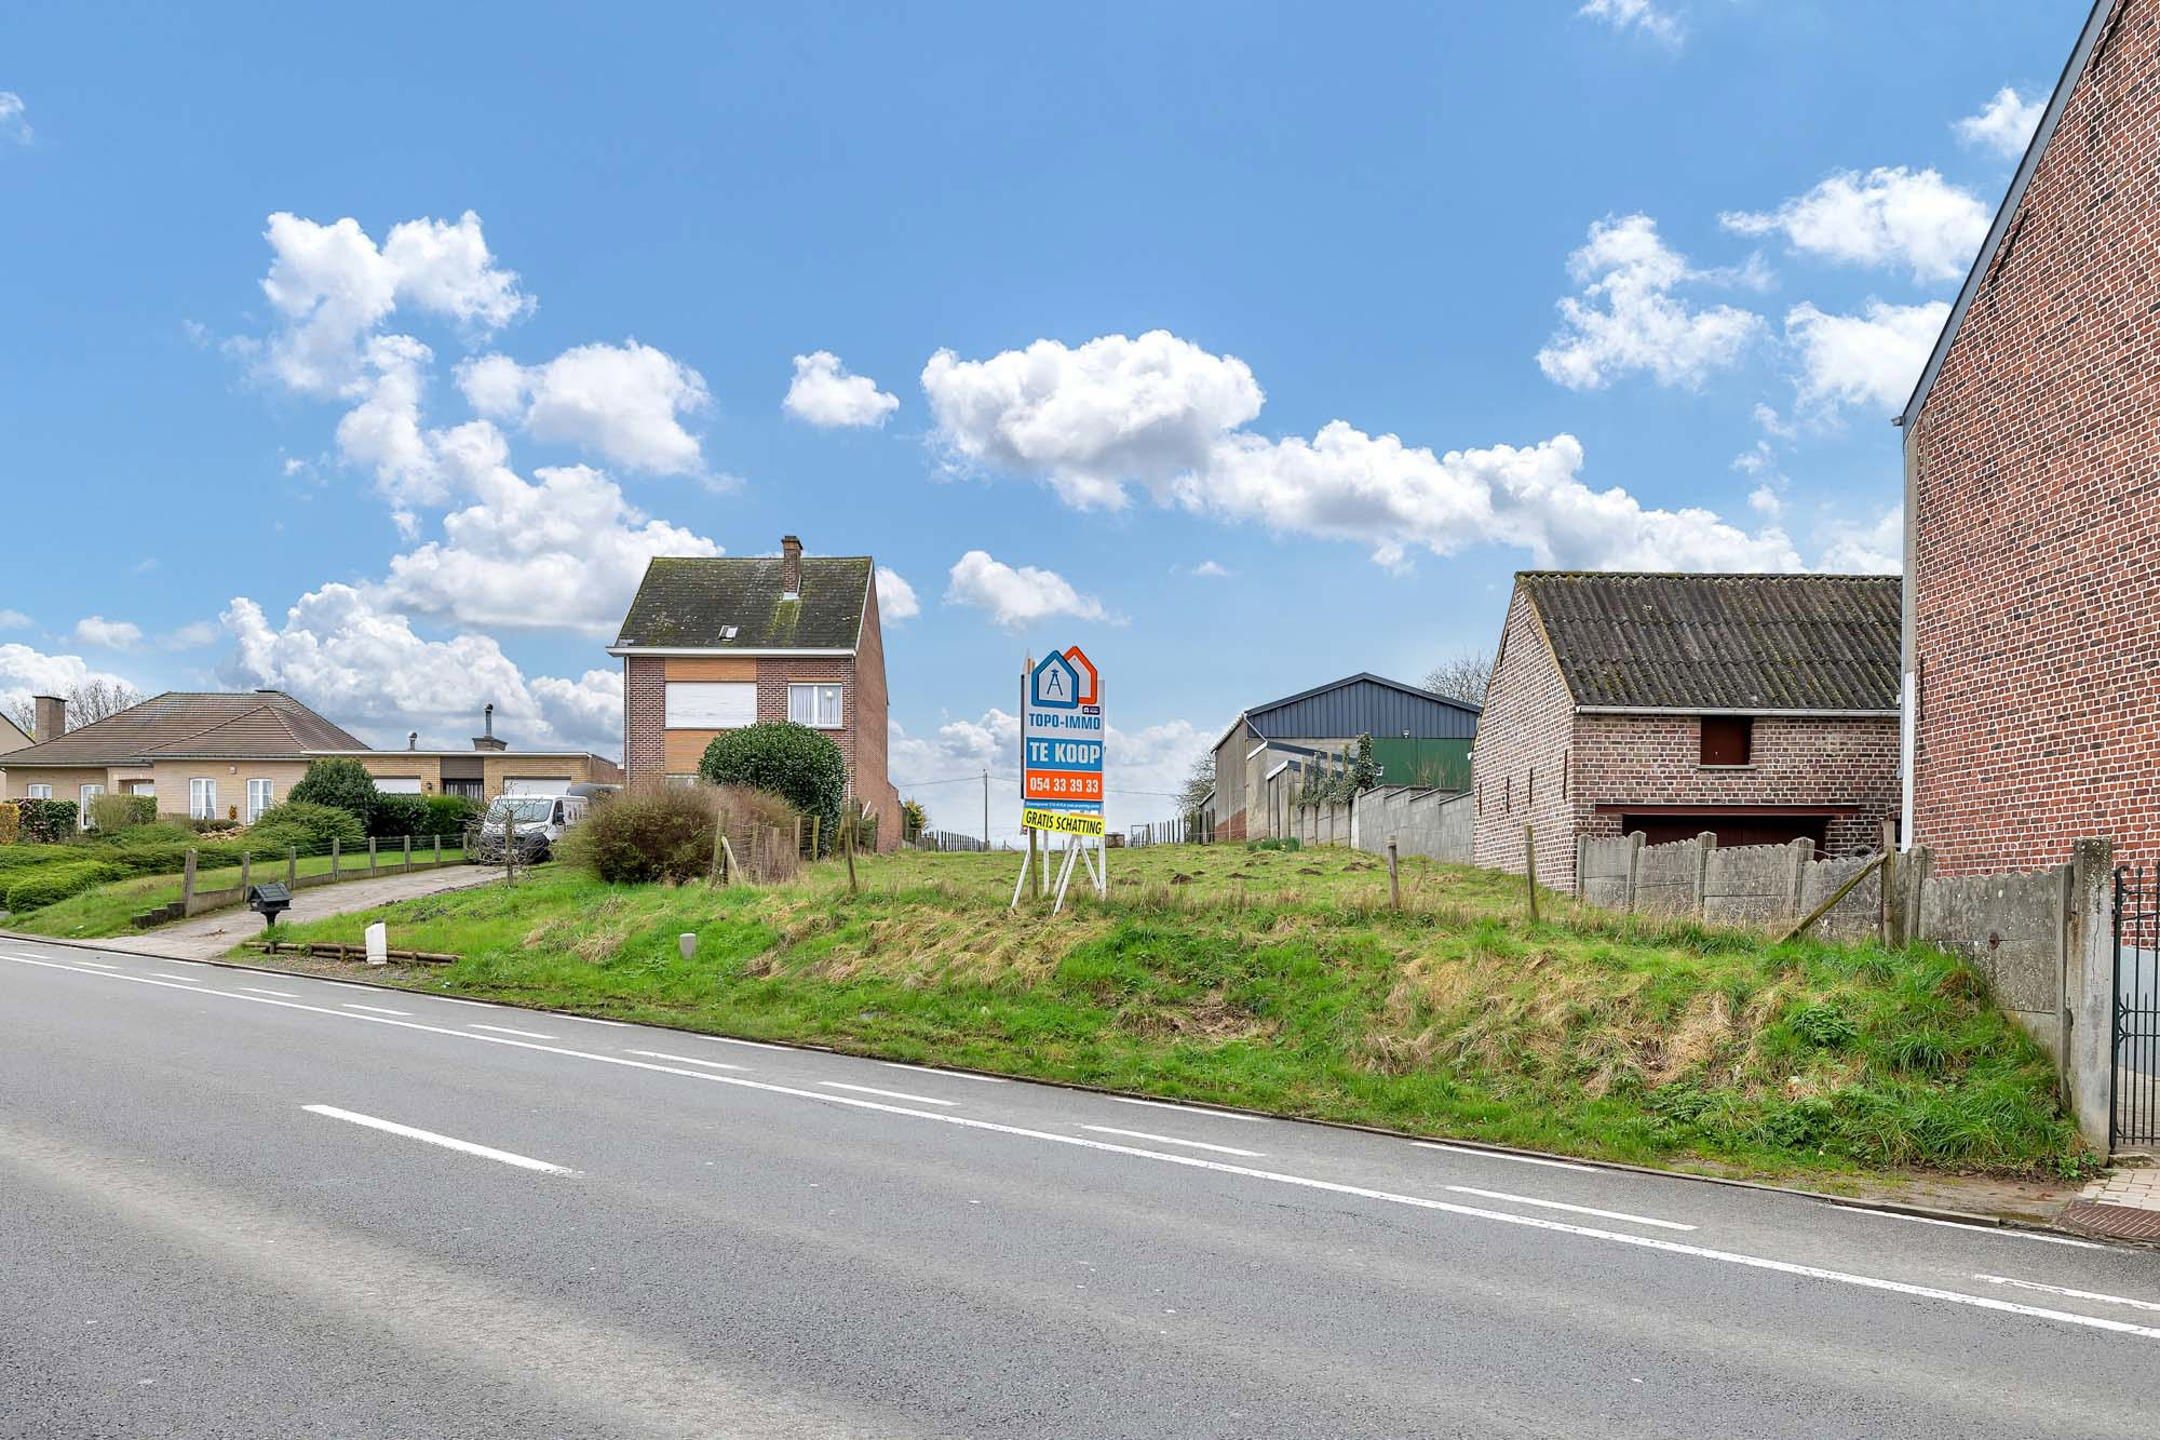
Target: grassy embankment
109,909
1281,981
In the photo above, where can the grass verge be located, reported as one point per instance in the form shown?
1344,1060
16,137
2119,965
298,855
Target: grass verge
110,909
1283,982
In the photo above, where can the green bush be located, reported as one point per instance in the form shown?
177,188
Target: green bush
112,814
10,822
449,815
397,815
46,822
654,832
305,826
50,884
794,762
342,783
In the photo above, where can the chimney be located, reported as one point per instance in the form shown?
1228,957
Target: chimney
412,740
51,717
488,741
791,567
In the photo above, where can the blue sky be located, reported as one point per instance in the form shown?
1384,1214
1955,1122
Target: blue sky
1364,307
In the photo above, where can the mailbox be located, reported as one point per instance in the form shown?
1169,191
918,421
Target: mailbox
269,901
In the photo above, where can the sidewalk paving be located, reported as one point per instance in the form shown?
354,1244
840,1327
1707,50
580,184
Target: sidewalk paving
207,937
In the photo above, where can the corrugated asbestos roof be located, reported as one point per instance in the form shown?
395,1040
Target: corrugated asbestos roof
1723,642
253,724
690,602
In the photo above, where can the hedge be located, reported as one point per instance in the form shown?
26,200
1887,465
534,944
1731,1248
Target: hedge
54,883
796,763
46,822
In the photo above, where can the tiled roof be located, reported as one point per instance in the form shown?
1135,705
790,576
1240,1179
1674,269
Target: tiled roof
1723,642
253,724
694,602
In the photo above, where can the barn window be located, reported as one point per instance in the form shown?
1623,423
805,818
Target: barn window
1728,739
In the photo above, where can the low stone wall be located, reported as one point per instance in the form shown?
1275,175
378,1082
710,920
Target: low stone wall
2010,928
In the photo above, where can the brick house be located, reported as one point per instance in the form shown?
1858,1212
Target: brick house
2032,659
233,754
1761,708
714,644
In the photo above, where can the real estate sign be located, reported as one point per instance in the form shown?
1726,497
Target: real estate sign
1061,746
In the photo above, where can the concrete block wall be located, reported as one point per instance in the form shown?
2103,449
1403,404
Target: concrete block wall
1437,824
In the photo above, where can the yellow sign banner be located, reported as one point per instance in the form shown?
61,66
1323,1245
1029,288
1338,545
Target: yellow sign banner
1062,822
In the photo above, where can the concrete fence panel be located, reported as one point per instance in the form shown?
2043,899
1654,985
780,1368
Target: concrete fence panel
1666,878
2010,928
1433,823
1859,915
1603,869
1753,885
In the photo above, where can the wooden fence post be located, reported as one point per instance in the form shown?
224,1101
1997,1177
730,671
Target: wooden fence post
292,867
1582,857
1529,849
1892,924
408,854
1704,844
1803,854
247,872
187,884
1634,867
1394,880
337,852
371,859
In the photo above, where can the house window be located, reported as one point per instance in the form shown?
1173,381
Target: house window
465,789
37,792
711,705
260,798
84,796
202,798
1728,739
817,705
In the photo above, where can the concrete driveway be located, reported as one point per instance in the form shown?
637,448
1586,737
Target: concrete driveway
206,937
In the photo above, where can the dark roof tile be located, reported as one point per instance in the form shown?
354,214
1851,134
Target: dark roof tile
690,602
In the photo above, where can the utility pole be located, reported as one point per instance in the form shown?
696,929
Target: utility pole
986,807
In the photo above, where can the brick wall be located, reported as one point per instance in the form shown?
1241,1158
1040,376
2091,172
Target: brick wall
1519,768
869,709
644,717
2035,520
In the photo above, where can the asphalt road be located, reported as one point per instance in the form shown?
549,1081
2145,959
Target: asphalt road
235,1204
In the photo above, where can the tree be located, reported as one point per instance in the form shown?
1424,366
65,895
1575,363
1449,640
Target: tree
913,820
342,783
87,703
1199,783
796,763
1462,676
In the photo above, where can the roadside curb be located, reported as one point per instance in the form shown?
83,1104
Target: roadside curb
1972,1218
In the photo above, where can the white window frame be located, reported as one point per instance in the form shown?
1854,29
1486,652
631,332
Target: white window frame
816,709
202,797
711,704
37,792
84,794
269,798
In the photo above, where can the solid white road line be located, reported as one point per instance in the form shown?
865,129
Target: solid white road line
375,1009
1998,1232
183,979
281,994
1196,1162
506,1030
948,1074
1188,1109
1575,1209
888,1094
448,1142
99,963
1503,1155
1173,1140
753,1044
686,1059
589,1020
2072,1294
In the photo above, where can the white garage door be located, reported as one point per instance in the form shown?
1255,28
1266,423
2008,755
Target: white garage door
538,785
398,784
711,705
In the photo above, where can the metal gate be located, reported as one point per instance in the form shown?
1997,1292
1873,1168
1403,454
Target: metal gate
2134,1108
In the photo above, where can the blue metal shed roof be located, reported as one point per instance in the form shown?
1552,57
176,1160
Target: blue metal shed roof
1365,704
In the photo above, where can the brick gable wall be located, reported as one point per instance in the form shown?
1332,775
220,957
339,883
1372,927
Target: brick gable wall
1519,767
2033,510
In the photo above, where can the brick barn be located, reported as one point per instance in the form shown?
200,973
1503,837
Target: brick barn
2032,660
715,644
1759,707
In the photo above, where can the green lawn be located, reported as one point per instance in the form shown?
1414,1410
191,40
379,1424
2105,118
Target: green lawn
1282,981
110,909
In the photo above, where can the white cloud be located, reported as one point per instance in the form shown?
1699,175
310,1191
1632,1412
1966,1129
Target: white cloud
1091,419
2004,125
191,636
1643,15
1342,484
1017,597
1212,570
1628,319
1876,548
1142,770
332,286
895,597
563,550
824,394
12,124
25,672
1890,216
622,403
1870,359
14,620
101,634
366,668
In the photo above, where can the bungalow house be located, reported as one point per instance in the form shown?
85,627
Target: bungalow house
2032,651
1419,738
1761,708
217,755
713,644
12,736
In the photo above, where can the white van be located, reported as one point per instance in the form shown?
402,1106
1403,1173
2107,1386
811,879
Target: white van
533,822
